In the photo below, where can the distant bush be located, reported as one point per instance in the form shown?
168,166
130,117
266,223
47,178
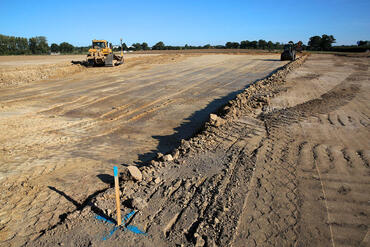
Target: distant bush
352,48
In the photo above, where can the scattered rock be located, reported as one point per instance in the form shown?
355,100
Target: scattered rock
200,241
109,212
215,120
176,154
167,157
138,203
159,156
135,173
154,163
185,144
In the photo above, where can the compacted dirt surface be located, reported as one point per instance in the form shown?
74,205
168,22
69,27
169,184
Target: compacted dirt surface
64,128
286,163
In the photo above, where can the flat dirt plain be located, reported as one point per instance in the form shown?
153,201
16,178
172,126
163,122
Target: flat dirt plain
285,163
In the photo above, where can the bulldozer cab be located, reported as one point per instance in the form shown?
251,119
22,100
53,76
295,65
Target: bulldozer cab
99,44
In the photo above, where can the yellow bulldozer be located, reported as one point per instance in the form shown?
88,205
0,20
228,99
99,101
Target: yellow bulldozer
100,54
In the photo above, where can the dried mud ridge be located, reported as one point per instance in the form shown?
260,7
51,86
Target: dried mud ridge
198,195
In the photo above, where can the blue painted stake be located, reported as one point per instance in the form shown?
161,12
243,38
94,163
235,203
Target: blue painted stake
120,222
124,225
118,204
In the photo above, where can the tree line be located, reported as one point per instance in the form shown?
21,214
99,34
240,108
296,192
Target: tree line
10,45
260,44
315,43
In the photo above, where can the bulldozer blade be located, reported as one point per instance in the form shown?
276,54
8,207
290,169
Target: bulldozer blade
109,60
119,60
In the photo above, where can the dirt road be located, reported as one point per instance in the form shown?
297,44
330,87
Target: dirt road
287,170
65,134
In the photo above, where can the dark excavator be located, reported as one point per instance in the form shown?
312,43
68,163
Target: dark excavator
289,52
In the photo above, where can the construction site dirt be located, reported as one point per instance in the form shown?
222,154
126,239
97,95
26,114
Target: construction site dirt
282,161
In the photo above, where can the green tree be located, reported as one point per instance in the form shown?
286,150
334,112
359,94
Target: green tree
363,43
38,45
159,46
22,45
232,45
326,42
145,46
137,46
270,45
253,44
10,45
245,44
124,47
66,47
315,43
54,48
262,44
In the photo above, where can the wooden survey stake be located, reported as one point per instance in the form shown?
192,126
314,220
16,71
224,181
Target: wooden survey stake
118,204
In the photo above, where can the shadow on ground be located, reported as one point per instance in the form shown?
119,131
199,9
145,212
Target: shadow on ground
106,178
192,125
81,206
271,60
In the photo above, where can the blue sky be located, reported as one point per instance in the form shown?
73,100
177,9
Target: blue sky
180,22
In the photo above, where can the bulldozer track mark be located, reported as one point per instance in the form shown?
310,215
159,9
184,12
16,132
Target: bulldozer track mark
364,123
273,160
58,108
328,102
347,157
169,199
340,120
364,158
330,120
